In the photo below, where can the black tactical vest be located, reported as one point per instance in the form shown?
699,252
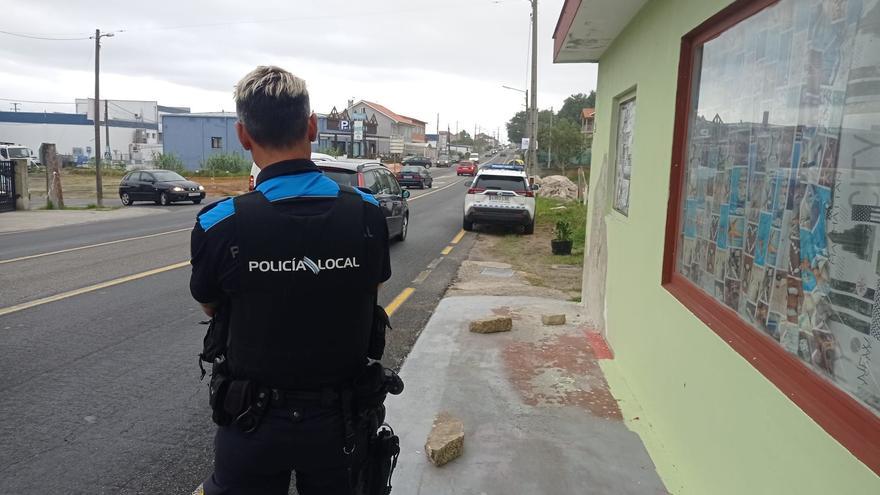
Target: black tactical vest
302,315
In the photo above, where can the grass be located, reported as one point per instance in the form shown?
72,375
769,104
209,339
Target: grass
531,254
549,211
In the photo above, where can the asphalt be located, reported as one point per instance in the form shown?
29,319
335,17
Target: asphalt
100,384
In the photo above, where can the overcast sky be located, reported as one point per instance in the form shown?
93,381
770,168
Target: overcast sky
417,57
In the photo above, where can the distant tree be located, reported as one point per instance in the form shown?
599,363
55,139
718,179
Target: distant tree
572,106
516,127
567,141
168,161
463,138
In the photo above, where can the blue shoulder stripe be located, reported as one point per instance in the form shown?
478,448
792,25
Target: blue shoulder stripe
221,211
369,198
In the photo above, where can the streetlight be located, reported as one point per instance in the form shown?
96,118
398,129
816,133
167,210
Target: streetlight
529,128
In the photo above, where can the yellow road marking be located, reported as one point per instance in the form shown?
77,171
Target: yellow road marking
457,238
446,250
91,288
400,299
22,258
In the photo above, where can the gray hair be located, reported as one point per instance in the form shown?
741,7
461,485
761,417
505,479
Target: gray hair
273,105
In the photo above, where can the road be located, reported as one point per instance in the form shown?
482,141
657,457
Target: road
99,337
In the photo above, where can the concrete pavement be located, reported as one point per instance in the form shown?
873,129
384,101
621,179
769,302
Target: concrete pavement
538,414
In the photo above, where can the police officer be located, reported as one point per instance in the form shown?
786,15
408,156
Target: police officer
295,267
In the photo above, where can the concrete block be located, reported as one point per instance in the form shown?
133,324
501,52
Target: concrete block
553,319
492,325
446,440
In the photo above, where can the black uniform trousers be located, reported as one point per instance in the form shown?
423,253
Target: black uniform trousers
306,440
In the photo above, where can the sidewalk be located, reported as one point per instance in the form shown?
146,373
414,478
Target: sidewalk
538,414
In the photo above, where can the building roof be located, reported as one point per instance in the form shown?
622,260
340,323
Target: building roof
586,113
67,119
203,114
390,114
165,109
586,28
414,121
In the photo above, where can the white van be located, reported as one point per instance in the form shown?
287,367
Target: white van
475,157
17,151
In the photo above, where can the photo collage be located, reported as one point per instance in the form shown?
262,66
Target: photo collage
780,218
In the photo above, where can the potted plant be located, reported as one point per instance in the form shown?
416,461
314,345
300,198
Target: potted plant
561,245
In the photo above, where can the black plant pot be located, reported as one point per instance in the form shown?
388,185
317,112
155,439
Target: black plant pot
560,247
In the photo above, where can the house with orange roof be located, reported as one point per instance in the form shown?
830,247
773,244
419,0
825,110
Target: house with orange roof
391,126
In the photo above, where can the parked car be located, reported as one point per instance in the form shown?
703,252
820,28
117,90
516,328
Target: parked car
415,175
160,186
380,182
419,161
466,167
255,170
500,197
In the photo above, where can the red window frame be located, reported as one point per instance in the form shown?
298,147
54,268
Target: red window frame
845,419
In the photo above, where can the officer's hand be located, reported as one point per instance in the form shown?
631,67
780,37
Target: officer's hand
209,309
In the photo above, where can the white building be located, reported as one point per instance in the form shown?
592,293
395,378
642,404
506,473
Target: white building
133,128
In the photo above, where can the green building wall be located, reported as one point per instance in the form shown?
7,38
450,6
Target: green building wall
719,426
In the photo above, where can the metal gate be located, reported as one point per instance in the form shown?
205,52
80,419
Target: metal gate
7,186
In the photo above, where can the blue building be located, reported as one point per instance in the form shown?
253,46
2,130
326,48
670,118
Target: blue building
196,136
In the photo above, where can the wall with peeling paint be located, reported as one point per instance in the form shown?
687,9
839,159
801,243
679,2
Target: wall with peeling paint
721,427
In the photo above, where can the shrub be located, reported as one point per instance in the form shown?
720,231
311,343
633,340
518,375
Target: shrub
563,231
168,161
222,163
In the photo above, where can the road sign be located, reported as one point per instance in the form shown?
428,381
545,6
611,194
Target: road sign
525,144
358,116
358,130
344,125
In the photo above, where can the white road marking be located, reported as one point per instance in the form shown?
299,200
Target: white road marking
108,243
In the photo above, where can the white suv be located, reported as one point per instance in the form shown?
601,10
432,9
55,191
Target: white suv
500,195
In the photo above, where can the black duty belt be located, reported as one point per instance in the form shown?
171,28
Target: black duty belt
325,397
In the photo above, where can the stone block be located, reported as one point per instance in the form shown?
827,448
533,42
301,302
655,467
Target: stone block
446,440
553,319
492,325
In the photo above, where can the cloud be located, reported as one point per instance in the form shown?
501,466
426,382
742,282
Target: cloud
416,57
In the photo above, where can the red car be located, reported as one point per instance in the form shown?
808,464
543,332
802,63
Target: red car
466,168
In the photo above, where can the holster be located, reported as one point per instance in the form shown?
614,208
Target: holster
383,450
239,402
381,323
383,447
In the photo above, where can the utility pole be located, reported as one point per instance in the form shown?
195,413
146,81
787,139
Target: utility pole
15,106
351,126
533,151
550,145
438,136
107,128
475,138
448,139
99,183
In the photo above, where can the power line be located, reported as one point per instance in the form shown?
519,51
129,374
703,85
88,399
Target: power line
39,102
38,37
